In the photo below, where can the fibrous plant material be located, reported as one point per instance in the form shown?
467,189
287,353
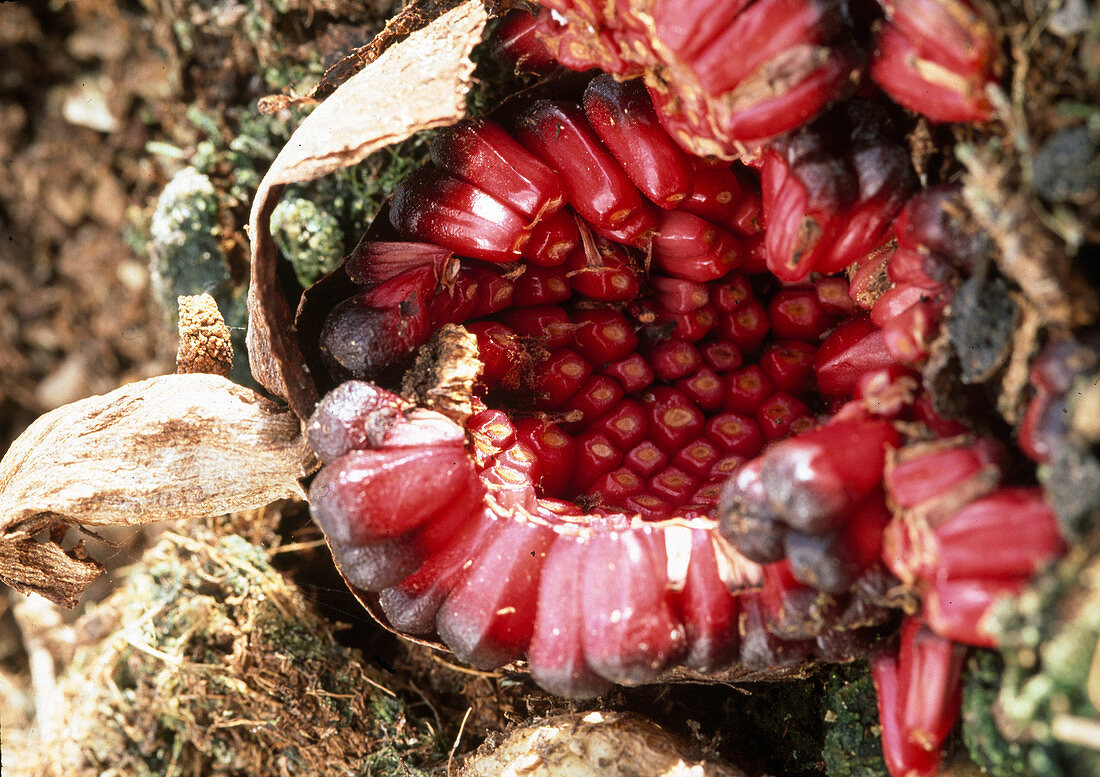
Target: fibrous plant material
100,462
206,660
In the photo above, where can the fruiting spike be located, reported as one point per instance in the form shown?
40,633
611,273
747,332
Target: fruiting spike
815,479
412,604
597,187
936,57
1009,533
708,609
957,609
377,261
350,417
904,758
372,330
483,154
688,247
386,493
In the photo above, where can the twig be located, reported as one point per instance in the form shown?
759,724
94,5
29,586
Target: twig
454,747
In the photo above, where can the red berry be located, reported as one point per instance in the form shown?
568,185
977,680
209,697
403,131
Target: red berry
516,44
374,261
747,388
797,315
789,364
434,207
541,286
709,609
697,458
498,348
483,154
715,192
596,456
616,487
746,327
936,57
552,239
555,451
607,274
958,609
853,348
489,616
673,484
675,295
633,373
1009,533
688,247
673,359
645,458
673,419
704,388
549,324
595,397
729,292
603,335
560,376
903,756
622,115
556,653
721,356
626,424
735,434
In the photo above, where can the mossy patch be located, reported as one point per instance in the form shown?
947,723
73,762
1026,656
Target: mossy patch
207,661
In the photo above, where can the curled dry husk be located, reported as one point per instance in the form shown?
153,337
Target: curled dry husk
160,449
191,446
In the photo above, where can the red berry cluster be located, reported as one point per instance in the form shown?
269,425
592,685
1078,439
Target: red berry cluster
613,397
793,57
962,541
694,442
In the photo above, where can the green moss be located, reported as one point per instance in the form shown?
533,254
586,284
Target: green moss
309,237
852,747
187,258
1014,703
987,746
206,661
